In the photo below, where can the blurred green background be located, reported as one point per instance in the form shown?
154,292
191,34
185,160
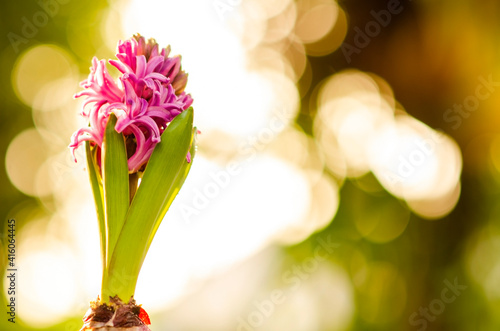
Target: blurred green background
395,255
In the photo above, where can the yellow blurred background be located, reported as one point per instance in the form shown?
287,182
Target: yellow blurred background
347,173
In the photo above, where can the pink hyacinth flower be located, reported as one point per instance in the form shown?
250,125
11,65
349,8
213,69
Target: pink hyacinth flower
145,98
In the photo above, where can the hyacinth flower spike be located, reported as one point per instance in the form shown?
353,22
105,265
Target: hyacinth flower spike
139,127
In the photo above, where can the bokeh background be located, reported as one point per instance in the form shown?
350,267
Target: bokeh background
347,174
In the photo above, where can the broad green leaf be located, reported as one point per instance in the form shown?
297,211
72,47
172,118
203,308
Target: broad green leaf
95,182
115,184
181,178
157,185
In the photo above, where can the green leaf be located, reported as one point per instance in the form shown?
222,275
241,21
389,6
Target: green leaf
96,184
157,188
179,181
115,184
